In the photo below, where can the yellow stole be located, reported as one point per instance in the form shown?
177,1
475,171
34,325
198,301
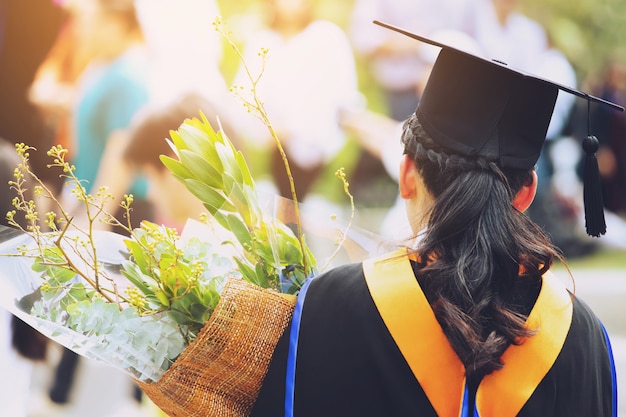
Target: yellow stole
417,333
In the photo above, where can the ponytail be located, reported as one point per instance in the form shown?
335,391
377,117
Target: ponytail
478,253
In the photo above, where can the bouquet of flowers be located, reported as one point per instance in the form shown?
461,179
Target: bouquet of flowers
193,317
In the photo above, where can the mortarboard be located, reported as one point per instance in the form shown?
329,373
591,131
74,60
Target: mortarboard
479,107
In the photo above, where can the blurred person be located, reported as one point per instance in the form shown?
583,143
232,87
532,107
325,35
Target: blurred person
504,33
184,48
54,86
25,39
139,148
566,181
111,89
612,151
308,79
610,129
145,144
397,65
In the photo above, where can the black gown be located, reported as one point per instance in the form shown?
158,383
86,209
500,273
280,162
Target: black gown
348,363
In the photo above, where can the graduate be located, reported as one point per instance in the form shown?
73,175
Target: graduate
467,320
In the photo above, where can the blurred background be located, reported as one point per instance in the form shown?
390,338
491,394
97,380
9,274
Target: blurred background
108,80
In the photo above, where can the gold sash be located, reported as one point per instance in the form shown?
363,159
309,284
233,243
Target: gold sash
417,333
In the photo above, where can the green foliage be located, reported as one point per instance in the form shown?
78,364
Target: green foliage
590,32
167,288
141,343
217,174
167,282
184,281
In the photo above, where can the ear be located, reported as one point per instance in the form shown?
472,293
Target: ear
525,196
407,178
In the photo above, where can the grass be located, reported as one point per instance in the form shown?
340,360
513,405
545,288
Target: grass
599,259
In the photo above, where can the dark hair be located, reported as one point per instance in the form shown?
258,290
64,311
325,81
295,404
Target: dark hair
147,140
480,257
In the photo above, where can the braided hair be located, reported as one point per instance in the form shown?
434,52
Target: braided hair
481,258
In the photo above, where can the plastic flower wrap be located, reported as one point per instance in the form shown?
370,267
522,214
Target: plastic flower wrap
64,307
138,301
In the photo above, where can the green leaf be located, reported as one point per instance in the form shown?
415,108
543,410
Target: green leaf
311,260
263,278
136,277
162,298
138,254
229,181
38,265
202,169
210,298
218,216
190,137
177,140
60,275
202,140
79,292
207,128
178,169
208,195
179,317
247,271
227,156
263,247
244,169
239,199
239,229
290,253
198,312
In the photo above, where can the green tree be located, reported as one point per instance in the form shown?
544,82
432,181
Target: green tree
589,32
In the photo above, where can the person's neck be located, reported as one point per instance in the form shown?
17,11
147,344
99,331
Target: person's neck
290,28
503,17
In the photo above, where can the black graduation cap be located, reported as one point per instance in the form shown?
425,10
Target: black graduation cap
479,107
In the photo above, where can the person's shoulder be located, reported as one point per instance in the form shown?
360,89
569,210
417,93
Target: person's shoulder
581,307
584,318
339,278
338,288
586,334
337,303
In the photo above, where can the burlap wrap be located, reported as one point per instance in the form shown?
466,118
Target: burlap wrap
221,372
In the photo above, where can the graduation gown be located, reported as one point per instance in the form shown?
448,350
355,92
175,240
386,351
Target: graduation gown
349,364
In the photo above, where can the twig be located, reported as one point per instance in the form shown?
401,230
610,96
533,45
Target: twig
257,108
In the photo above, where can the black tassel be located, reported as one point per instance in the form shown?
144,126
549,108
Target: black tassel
592,191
